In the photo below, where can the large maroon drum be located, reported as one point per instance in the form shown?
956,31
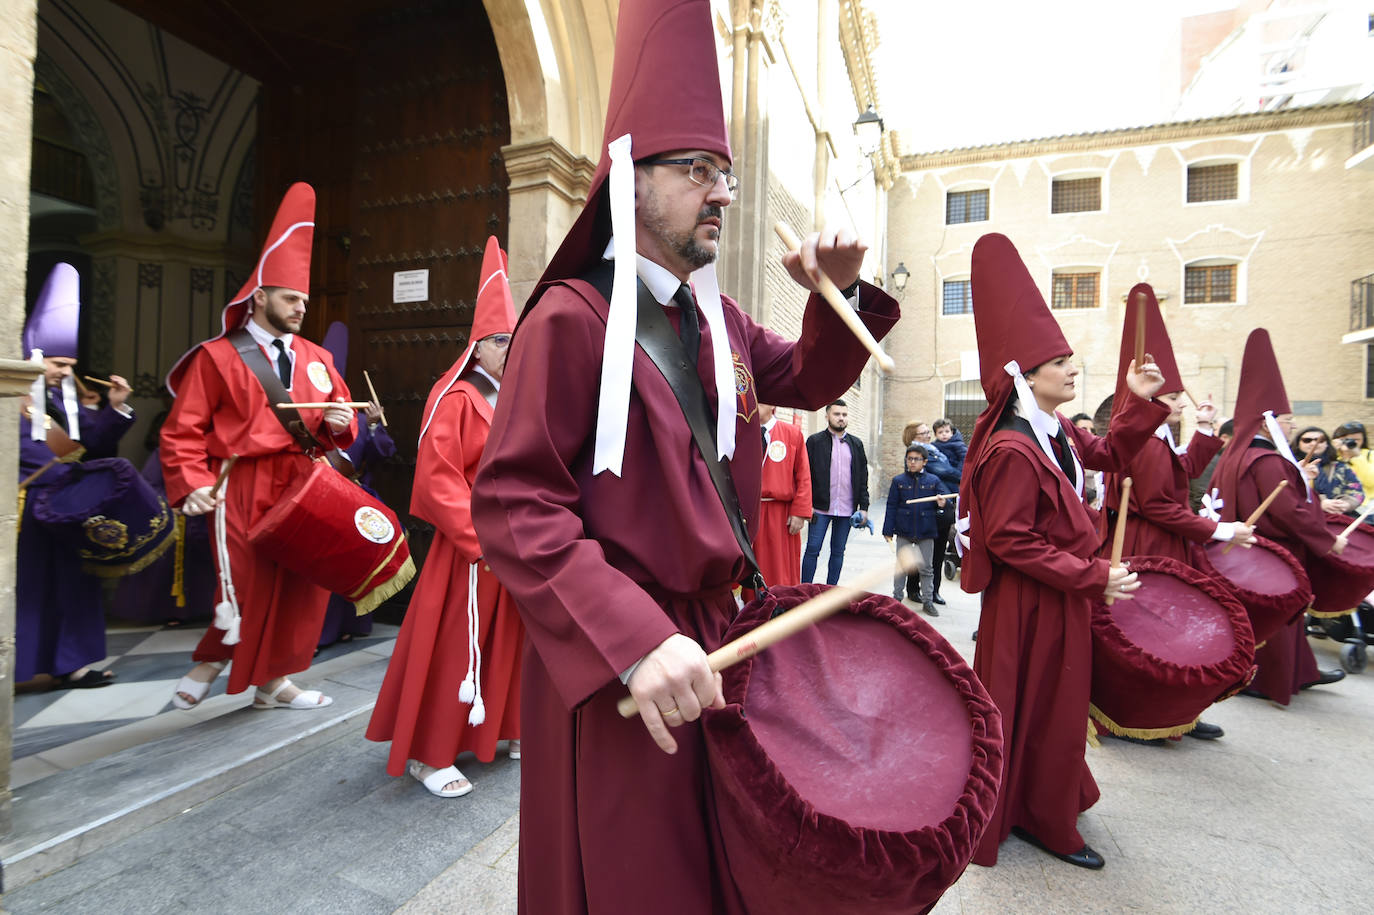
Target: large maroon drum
1160,659
1339,583
1265,578
855,765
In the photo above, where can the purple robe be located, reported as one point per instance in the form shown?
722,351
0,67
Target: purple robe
604,568
370,448
59,627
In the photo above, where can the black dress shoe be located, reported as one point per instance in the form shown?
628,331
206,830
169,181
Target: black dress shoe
1084,857
1205,731
937,599
1252,693
1327,676
1143,741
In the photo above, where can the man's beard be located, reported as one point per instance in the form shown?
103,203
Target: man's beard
280,323
685,245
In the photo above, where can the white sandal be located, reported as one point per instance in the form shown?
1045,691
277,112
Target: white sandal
434,779
195,688
514,749
305,699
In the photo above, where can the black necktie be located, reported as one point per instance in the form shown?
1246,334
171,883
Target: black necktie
1061,450
689,330
283,363
764,430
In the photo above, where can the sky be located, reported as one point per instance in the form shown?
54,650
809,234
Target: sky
990,71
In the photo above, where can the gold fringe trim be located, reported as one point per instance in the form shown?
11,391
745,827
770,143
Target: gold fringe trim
179,573
373,600
1331,614
367,582
1092,734
19,521
1142,733
100,571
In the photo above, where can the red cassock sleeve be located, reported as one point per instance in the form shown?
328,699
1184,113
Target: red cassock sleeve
445,463
1128,432
1016,516
1153,494
1291,517
1201,449
185,438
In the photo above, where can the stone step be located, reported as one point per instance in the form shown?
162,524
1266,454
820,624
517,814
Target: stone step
61,818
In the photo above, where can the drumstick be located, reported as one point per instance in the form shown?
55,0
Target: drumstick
1119,535
351,404
793,621
373,391
1350,529
832,294
100,381
942,495
24,483
1255,515
80,388
223,475
1140,306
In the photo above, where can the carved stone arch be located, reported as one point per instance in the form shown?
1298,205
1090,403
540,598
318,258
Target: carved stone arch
90,137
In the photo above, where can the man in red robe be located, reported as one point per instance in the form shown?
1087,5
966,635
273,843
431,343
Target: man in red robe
596,509
786,500
1031,551
452,626
268,619
1257,460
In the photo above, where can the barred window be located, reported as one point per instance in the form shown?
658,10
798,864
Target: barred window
1213,182
1075,290
1212,283
1076,195
958,297
966,206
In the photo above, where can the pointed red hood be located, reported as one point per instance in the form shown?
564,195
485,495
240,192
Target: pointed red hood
1157,344
662,107
284,261
1261,390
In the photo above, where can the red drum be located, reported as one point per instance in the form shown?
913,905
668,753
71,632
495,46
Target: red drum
338,536
1266,579
1339,583
109,514
1182,643
855,765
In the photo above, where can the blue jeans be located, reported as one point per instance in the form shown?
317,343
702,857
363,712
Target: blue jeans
815,536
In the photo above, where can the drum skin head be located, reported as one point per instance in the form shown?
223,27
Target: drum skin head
855,765
1266,579
1161,658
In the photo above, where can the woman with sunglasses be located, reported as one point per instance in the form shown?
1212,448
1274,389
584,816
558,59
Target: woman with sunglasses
1337,483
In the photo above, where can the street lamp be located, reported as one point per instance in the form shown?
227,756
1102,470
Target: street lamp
869,130
900,276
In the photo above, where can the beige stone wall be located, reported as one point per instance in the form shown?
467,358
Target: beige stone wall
1301,231
17,48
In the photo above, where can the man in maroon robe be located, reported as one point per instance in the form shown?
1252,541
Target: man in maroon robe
1031,551
595,507
1259,459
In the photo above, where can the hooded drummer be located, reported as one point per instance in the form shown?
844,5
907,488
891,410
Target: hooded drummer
59,627
1031,551
268,619
594,504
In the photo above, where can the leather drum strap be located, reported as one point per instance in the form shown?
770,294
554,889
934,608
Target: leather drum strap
253,357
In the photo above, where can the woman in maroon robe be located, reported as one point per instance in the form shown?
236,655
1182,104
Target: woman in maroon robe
1257,460
1031,551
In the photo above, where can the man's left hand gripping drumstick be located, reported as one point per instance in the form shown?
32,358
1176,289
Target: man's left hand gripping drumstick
671,685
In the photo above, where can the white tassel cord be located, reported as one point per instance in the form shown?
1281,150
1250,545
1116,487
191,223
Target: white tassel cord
227,610
471,689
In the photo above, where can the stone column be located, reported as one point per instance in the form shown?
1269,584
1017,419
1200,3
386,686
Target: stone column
548,186
18,45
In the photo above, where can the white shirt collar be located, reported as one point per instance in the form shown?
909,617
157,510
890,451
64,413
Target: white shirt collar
264,337
661,282
768,426
1047,423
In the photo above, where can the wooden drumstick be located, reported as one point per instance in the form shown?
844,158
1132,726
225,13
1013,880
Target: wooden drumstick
1365,513
831,293
800,617
1257,513
375,399
1119,535
24,483
943,495
351,404
1140,307
100,381
223,475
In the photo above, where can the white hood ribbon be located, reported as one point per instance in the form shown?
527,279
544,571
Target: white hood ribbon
71,403
617,360
1029,410
1271,425
38,400
1165,434
1212,504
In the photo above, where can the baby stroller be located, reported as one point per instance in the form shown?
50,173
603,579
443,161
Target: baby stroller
1353,629
950,567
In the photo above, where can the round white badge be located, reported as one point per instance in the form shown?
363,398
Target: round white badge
777,451
319,377
374,525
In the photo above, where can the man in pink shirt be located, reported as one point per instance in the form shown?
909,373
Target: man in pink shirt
839,491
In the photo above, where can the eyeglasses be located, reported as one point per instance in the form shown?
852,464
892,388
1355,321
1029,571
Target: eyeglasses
497,340
702,171
1311,440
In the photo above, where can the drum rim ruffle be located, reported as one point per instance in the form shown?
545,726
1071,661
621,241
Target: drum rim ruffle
841,855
